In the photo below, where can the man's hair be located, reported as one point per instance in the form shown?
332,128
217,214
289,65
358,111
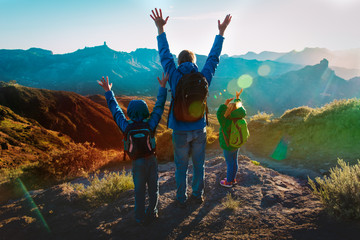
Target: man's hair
186,56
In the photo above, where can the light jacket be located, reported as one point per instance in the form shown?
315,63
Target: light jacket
225,123
168,64
137,110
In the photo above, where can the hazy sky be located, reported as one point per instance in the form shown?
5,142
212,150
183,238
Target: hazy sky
257,25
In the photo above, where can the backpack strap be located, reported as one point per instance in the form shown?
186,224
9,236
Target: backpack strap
206,111
126,131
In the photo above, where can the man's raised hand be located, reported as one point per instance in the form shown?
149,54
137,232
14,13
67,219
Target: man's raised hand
222,26
158,19
164,80
105,84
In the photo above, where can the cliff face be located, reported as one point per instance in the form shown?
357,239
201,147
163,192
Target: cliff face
272,206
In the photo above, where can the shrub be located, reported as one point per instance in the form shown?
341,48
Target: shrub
211,135
73,161
164,146
262,116
340,192
230,202
106,189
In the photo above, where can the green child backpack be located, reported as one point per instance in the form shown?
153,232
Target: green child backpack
239,133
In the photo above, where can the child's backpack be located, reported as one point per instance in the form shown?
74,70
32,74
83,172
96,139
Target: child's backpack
139,140
191,93
239,133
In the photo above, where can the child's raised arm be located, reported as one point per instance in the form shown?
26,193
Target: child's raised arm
164,80
105,84
113,105
158,109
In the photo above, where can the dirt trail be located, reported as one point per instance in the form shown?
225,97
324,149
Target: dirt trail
273,206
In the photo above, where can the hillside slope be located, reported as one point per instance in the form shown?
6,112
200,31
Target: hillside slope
66,112
272,206
24,140
310,138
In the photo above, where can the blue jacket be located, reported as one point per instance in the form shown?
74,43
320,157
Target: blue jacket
137,110
168,64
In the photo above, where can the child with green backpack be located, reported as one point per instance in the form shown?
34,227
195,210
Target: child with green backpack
233,134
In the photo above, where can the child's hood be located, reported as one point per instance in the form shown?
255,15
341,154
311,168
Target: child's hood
138,110
187,67
239,112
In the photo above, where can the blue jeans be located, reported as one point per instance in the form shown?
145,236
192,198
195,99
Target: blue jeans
145,171
231,158
186,144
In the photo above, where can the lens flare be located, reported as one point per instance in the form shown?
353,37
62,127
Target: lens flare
245,81
280,151
224,90
264,70
33,205
215,96
232,87
220,93
195,109
238,105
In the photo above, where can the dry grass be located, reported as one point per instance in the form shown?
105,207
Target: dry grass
231,203
211,135
262,116
340,192
76,160
105,189
164,146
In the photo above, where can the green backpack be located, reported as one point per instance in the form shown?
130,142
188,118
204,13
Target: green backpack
239,133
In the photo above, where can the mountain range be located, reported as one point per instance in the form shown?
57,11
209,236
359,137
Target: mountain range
346,63
281,86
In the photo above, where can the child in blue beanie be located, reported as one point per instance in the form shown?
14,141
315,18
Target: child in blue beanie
144,168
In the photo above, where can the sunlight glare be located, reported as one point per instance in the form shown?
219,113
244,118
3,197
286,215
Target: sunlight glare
264,70
245,81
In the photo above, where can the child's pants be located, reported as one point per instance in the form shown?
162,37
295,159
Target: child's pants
231,158
145,172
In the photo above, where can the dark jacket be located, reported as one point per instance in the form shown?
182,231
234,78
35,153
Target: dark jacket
137,110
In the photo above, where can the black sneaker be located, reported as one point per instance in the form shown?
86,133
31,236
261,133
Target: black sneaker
180,204
151,218
197,200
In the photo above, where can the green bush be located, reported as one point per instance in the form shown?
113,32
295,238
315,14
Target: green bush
340,192
106,189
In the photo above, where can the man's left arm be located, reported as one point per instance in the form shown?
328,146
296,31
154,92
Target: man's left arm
213,59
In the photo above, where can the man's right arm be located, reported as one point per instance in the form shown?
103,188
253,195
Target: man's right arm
166,58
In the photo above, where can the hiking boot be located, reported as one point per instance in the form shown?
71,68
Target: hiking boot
227,184
197,200
180,204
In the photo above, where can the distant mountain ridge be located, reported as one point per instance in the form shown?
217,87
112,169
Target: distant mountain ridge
346,63
311,86
133,73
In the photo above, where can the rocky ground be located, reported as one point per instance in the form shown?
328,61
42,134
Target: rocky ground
272,206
